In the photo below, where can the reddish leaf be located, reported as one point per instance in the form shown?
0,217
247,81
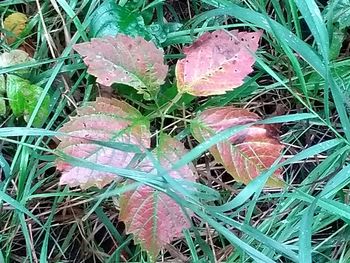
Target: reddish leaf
123,59
247,153
152,216
104,120
217,62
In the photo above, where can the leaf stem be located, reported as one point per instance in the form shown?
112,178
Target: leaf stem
171,104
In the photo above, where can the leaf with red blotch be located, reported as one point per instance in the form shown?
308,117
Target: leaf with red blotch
217,62
248,152
105,120
126,60
152,216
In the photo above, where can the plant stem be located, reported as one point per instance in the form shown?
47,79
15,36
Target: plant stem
171,104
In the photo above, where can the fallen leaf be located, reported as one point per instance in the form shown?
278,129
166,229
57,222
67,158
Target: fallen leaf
14,57
247,153
150,215
217,62
14,24
106,120
126,60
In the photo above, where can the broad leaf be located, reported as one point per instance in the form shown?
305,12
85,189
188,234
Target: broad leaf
338,11
152,216
247,153
105,120
160,32
14,57
23,97
14,24
8,59
217,62
126,60
111,19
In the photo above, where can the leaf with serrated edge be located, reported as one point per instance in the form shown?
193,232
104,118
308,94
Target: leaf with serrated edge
247,153
23,97
103,120
152,216
217,62
123,59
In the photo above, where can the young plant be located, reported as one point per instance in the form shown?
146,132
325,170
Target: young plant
215,63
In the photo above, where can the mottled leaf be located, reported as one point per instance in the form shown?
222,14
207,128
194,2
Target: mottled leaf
126,60
23,97
217,62
152,216
105,120
247,153
14,24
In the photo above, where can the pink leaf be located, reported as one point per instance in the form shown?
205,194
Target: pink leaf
104,120
247,153
123,59
152,216
217,62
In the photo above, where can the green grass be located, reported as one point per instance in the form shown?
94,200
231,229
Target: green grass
307,221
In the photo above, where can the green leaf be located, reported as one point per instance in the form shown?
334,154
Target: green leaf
110,19
23,97
160,32
338,11
336,44
2,85
2,106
